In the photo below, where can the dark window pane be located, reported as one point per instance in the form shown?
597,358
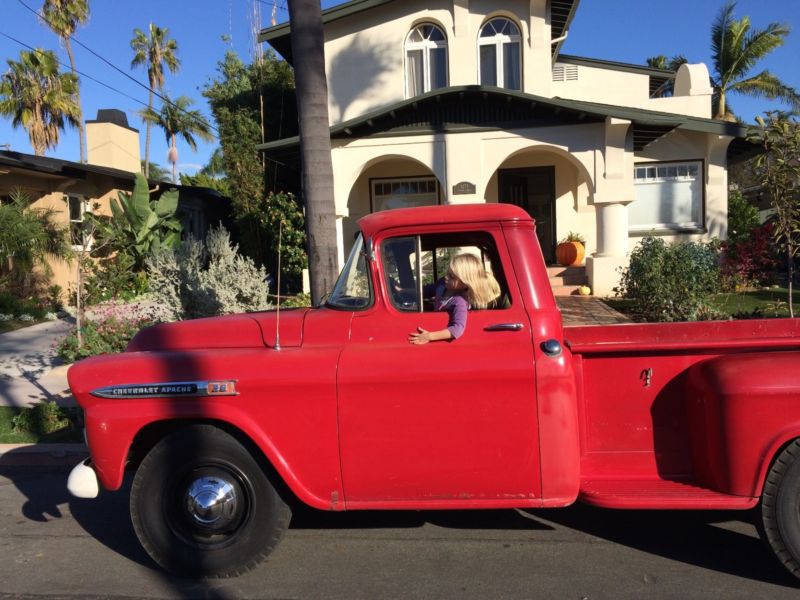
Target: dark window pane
75,213
488,65
438,57
511,66
436,35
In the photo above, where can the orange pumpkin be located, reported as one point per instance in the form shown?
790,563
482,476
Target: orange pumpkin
570,253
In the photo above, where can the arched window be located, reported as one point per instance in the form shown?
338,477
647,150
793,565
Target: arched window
426,60
499,54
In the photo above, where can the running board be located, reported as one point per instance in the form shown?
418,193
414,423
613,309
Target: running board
657,494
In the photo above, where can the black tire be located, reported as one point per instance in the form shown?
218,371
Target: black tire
177,514
780,508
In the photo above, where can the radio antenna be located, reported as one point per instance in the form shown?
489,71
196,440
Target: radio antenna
278,290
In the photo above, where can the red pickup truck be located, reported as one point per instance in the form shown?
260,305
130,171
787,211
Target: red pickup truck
228,421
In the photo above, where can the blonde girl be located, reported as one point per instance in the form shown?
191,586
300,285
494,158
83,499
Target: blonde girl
466,284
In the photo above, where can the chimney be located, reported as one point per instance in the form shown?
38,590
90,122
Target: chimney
110,142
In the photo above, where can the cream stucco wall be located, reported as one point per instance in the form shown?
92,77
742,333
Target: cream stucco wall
620,88
364,54
109,145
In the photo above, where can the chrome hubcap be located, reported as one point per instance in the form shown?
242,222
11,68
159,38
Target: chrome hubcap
212,502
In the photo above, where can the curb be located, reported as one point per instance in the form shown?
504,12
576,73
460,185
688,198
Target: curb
42,455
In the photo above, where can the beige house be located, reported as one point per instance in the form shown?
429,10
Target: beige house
455,101
70,189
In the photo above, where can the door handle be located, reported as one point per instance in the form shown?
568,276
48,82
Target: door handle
504,327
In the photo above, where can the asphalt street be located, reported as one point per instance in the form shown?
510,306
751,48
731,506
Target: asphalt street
55,546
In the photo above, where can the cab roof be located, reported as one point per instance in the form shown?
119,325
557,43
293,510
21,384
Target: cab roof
441,215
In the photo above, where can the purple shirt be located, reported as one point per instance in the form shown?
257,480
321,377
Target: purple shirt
456,307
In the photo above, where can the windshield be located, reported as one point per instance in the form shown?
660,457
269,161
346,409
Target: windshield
352,289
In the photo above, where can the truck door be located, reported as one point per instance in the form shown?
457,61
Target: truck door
453,422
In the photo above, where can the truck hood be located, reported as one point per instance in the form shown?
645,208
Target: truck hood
254,330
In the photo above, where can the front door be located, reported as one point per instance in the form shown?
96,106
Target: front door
534,190
454,422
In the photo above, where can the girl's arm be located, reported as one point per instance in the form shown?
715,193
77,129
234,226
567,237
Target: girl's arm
421,336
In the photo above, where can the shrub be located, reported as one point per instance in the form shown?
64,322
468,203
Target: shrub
106,336
750,262
742,218
202,280
114,277
41,418
670,282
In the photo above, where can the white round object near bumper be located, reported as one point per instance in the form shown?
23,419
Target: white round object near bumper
82,482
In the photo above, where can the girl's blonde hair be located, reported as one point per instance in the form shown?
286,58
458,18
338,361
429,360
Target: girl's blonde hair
482,287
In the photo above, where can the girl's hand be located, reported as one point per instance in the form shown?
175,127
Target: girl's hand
419,337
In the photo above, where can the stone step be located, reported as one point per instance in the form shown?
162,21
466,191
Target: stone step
566,276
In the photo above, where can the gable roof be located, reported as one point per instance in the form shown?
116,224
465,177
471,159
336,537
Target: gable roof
561,14
481,108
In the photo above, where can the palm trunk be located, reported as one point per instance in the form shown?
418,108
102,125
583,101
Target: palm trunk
147,136
81,127
721,108
305,17
173,157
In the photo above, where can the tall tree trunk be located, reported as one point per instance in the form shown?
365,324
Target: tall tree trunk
81,126
305,18
147,136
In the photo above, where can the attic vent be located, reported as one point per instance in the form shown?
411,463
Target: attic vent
565,73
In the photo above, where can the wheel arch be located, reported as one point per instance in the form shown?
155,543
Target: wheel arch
151,433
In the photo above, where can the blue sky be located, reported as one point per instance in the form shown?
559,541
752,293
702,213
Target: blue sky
620,30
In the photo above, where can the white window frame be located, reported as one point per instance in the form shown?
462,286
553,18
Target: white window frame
498,40
402,184
426,45
648,173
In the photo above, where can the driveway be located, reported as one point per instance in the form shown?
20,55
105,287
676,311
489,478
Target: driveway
30,371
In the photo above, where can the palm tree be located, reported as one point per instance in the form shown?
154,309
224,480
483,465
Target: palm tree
176,119
667,88
305,18
736,51
63,17
38,97
154,51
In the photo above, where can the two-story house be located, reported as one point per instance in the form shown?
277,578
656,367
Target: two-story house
451,101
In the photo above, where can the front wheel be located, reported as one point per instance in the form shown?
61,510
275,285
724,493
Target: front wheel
201,505
780,508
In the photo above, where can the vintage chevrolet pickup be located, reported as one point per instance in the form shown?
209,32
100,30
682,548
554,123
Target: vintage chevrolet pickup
226,422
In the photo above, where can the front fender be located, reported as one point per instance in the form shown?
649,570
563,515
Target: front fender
285,403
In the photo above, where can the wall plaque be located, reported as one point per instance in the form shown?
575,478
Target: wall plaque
463,187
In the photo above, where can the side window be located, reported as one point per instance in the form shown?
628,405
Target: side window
499,54
426,60
414,267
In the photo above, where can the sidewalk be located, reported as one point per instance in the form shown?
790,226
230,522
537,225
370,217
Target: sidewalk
30,371
587,310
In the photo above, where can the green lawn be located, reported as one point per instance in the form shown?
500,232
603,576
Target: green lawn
765,303
8,435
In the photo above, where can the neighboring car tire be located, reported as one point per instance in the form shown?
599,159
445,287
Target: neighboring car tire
202,505
780,507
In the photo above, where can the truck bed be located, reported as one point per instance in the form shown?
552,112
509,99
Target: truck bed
644,428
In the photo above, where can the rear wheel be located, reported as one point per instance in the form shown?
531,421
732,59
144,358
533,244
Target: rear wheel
780,508
202,505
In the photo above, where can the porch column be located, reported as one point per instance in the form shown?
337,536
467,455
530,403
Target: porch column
613,193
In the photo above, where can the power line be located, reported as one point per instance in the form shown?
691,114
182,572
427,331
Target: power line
116,68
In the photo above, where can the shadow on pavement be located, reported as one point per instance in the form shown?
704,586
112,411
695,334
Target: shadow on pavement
722,541
716,540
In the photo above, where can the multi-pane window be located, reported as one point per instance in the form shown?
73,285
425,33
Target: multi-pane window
668,196
499,54
426,60
404,192
77,206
